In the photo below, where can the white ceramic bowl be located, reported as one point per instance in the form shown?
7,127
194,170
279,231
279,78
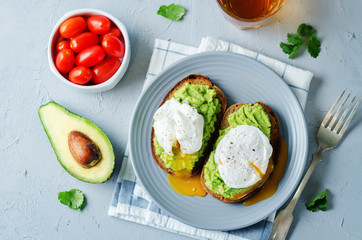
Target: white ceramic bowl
55,37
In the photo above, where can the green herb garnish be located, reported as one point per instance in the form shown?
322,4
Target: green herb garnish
320,202
74,199
306,35
173,12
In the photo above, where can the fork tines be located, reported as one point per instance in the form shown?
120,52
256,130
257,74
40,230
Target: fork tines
331,124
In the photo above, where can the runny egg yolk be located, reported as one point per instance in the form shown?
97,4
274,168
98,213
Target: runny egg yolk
256,169
190,186
180,159
271,186
181,182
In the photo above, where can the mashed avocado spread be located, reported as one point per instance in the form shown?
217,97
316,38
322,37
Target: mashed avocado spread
248,114
205,101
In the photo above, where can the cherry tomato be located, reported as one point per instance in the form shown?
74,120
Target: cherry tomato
72,27
105,70
62,45
99,24
80,75
65,60
113,32
113,46
83,41
90,56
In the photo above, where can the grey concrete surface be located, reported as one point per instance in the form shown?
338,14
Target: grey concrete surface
31,177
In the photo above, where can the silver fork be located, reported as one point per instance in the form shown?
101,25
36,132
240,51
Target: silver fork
328,137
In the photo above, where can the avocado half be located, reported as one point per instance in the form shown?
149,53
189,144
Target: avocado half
58,122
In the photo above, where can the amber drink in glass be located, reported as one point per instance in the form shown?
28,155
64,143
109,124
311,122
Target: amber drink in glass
248,14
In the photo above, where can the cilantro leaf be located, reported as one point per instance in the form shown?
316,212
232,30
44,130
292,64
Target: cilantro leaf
314,46
74,199
305,30
172,11
294,51
320,202
306,35
63,198
287,48
294,39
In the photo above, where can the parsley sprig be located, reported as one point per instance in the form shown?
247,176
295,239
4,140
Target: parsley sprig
306,35
74,199
319,203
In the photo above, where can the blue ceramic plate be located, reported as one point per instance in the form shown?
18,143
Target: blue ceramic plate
242,79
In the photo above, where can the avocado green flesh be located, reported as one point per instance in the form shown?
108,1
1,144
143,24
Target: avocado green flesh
58,122
205,101
248,114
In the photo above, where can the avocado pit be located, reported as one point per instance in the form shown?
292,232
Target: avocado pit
83,149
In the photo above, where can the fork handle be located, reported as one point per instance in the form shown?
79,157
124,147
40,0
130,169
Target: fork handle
317,157
284,218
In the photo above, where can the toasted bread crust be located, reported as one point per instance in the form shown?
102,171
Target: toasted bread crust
274,141
201,80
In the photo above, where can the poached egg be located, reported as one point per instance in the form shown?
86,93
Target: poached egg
178,123
243,156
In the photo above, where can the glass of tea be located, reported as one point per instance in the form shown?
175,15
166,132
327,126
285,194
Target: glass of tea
248,14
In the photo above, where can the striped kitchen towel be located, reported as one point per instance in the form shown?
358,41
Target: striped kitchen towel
130,201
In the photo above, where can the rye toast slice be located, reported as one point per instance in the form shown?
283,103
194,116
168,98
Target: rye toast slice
201,80
274,141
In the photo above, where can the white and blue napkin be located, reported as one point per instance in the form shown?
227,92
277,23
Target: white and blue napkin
130,201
